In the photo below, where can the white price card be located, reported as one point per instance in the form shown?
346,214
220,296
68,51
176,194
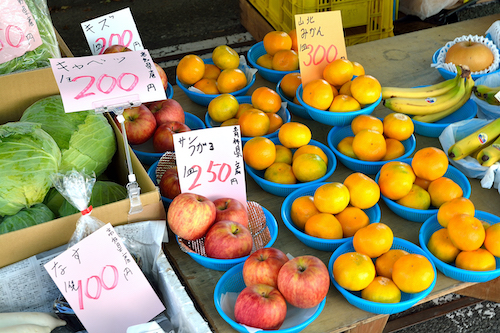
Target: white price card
103,283
210,162
97,81
18,30
117,28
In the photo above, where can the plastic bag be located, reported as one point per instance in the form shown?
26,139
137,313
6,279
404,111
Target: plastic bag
424,8
486,110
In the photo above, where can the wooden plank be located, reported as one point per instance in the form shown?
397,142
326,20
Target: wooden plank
489,291
375,326
255,23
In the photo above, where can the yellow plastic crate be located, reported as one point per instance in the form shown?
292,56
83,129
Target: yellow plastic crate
363,20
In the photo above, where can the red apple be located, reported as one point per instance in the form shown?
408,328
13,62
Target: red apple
163,138
231,209
260,306
169,183
116,48
304,281
167,110
190,215
263,266
228,240
163,76
475,55
140,124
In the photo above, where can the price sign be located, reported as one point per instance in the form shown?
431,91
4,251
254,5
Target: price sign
320,38
18,30
117,28
97,81
210,162
103,284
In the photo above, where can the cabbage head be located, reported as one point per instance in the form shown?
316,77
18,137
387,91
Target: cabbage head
29,156
26,217
86,139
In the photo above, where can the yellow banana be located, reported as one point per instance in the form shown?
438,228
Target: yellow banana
473,141
433,117
420,92
489,155
476,152
487,94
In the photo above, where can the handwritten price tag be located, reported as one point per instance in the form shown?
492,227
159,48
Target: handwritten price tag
18,30
210,162
117,28
103,284
320,37
102,80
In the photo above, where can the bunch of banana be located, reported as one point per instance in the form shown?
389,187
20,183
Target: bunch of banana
434,102
487,94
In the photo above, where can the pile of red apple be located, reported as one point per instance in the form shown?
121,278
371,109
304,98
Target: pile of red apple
272,280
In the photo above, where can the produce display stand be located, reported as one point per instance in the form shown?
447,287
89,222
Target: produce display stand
403,61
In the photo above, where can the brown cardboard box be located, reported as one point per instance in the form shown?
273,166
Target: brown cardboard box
20,90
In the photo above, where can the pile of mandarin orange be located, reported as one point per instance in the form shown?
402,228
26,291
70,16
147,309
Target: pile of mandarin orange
281,51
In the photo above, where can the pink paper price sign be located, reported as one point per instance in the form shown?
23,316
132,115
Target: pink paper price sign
18,30
117,28
103,284
210,162
93,82
320,37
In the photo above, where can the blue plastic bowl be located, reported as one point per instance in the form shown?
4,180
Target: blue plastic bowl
204,99
407,300
225,264
145,152
431,225
374,214
283,113
335,118
433,130
283,190
296,109
232,282
152,174
169,91
272,75
421,215
336,134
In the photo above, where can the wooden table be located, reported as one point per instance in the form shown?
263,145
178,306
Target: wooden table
403,61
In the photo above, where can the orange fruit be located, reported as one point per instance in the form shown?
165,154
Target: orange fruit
442,190
430,163
283,154
242,108
223,107
275,41
353,271
318,94
413,273
345,89
281,173
395,179
338,72
331,197
373,240
231,80
285,60
364,192
358,69
294,134
259,153
453,207
417,198
366,121
352,219
366,89
275,122
476,260
225,57
266,99
466,232
302,209
207,86
441,247
254,122
289,84
398,126
211,72
323,225
265,60
394,149
344,103
382,290
423,183
308,167
230,122
345,147
293,35
311,149
190,69
492,239
385,262
369,145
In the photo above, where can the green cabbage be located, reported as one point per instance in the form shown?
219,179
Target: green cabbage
26,217
29,156
86,139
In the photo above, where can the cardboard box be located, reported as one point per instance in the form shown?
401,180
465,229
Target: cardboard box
20,90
